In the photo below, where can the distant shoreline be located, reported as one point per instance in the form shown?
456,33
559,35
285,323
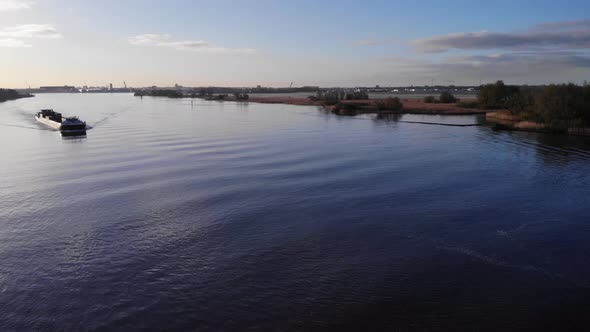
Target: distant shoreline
340,106
507,101
9,94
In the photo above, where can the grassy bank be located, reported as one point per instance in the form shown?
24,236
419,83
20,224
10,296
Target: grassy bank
352,107
337,101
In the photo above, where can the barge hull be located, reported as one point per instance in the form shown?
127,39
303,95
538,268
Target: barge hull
47,122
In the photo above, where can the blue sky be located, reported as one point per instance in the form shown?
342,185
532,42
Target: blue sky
272,43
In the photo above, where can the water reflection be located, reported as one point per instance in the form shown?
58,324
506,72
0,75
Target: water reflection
74,138
445,120
551,149
389,117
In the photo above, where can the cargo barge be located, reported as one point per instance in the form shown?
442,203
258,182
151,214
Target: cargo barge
67,126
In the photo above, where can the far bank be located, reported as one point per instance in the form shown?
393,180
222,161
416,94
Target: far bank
9,94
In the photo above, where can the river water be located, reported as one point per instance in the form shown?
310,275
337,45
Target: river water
180,215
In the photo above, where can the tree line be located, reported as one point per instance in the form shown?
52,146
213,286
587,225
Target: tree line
445,97
559,106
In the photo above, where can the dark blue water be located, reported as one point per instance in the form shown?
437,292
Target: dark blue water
222,216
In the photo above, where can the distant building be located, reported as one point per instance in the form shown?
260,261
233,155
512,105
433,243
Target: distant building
110,86
64,88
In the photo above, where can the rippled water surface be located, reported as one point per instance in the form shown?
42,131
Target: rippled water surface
183,215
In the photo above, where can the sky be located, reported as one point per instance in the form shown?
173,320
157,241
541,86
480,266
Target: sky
274,43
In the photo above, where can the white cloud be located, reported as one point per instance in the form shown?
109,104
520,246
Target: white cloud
368,42
8,5
164,40
13,43
43,31
14,36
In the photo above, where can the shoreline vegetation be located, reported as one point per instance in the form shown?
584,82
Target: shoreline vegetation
9,94
555,108
337,101
563,108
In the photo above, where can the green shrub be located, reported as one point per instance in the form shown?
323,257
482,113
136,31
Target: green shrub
523,103
564,105
389,104
429,99
498,95
447,98
358,95
331,99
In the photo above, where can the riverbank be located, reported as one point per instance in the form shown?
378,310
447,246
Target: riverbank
505,120
9,94
409,106
500,119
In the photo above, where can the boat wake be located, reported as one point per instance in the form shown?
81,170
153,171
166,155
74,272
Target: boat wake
492,260
97,123
107,117
20,126
498,261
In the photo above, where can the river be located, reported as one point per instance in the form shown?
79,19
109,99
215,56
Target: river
175,214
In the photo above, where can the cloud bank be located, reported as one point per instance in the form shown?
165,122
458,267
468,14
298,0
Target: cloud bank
523,67
560,35
15,36
166,41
